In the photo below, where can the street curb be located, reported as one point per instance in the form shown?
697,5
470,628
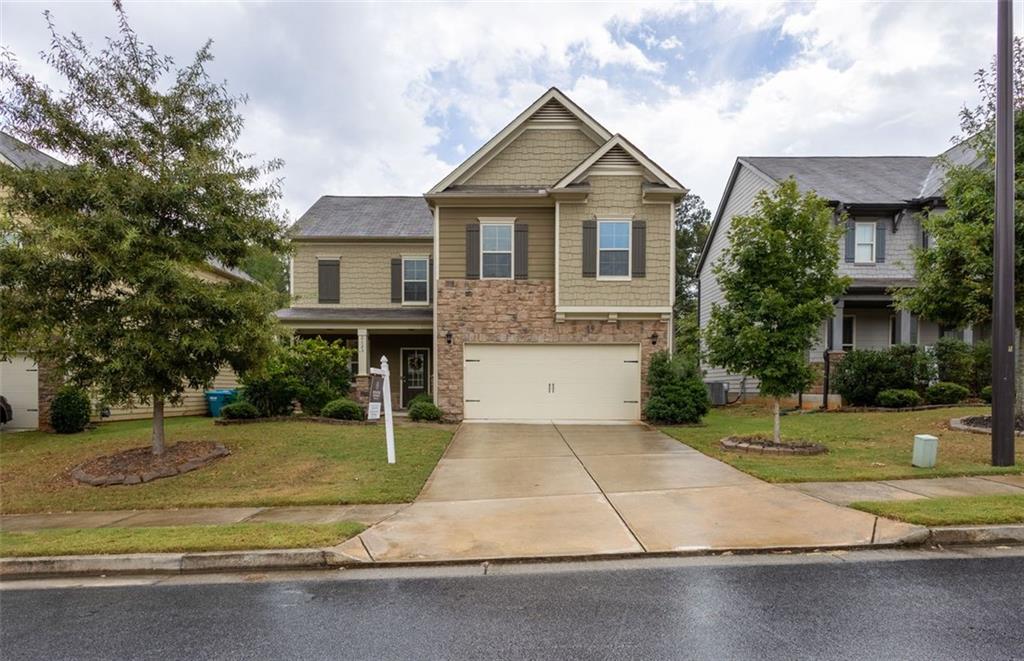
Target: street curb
1007,534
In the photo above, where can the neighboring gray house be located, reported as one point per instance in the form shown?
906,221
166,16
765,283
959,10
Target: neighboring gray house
883,197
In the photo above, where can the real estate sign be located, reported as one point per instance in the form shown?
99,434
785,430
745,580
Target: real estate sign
376,396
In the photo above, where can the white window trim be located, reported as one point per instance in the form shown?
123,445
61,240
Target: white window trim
629,250
511,224
853,339
417,258
874,240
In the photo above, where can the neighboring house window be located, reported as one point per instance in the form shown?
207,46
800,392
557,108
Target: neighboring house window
329,281
496,250
414,280
864,250
849,325
613,248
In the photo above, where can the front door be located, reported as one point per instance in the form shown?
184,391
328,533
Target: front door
415,371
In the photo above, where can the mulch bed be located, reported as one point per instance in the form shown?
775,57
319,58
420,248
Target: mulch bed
759,445
985,422
140,465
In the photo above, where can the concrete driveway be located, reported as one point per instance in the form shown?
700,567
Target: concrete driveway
516,491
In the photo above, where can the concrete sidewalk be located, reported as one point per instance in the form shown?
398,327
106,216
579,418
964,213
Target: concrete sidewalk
365,514
844,493
515,491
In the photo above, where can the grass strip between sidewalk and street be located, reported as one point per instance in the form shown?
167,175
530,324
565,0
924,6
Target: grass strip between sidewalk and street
950,511
176,539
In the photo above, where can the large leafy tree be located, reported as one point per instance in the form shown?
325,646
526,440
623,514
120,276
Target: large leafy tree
99,276
955,272
693,221
779,277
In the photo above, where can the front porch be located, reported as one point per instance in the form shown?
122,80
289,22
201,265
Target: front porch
403,336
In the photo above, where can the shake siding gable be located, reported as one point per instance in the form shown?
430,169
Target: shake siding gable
536,157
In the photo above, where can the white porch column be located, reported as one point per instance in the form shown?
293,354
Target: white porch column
837,327
903,319
969,335
363,347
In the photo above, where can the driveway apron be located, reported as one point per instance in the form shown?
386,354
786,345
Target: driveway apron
517,491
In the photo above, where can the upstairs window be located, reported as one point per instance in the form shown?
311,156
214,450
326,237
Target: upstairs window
414,280
328,281
864,250
613,248
496,250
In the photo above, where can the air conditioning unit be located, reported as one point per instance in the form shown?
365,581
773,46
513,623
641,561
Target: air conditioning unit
718,391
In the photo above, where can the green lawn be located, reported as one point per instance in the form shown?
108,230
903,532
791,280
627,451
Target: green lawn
176,539
950,511
274,463
862,446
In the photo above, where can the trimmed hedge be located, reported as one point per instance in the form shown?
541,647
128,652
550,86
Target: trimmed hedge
678,395
342,409
424,411
946,393
240,411
422,397
862,374
70,410
986,394
898,398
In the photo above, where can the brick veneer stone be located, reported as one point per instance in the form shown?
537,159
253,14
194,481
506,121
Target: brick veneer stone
520,312
50,382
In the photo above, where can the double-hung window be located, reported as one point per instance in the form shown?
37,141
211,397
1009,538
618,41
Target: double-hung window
864,249
613,238
414,280
496,250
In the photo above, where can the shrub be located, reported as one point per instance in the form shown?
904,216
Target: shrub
898,398
944,392
986,394
70,410
342,409
424,411
240,411
862,374
678,395
272,392
319,370
981,354
422,397
955,361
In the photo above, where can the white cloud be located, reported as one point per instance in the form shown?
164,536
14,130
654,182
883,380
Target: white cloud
349,94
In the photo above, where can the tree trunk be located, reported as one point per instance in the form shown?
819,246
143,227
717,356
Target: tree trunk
158,426
777,430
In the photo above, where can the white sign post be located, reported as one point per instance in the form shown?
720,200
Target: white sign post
381,376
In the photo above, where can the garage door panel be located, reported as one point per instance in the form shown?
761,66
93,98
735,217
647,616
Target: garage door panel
19,383
552,382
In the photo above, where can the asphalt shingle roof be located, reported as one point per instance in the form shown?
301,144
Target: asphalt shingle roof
23,156
851,179
335,216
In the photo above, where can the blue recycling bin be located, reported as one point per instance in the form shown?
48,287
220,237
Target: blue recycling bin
216,399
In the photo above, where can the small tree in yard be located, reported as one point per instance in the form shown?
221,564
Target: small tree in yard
954,273
99,275
779,277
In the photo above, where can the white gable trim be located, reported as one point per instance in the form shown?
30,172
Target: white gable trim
618,141
589,126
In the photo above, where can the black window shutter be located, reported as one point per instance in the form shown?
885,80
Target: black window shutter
639,248
924,239
589,248
396,280
329,281
880,230
851,230
430,279
521,245
473,251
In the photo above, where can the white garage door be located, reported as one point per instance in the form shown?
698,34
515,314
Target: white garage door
552,381
19,383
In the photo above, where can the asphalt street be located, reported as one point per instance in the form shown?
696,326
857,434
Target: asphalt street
857,607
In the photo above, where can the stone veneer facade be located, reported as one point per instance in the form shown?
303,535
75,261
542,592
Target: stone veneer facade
521,312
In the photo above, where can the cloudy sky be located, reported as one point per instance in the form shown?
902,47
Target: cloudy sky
386,98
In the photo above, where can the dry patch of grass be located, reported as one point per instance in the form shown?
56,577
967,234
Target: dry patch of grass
862,446
282,463
175,539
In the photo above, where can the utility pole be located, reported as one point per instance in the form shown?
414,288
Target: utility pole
1004,358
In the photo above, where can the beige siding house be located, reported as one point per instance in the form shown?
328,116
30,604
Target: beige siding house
550,255
883,199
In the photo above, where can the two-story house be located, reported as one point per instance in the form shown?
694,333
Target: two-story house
549,274
882,199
